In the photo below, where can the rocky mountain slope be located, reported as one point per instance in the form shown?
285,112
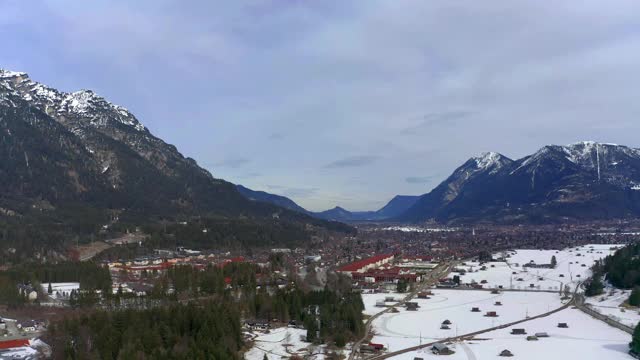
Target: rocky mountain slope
77,152
582,181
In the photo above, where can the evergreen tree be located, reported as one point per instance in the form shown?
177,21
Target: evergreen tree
635,341
402,286
50,289
595,286
634,299
554,262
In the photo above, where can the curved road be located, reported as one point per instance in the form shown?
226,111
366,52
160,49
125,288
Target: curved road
433,278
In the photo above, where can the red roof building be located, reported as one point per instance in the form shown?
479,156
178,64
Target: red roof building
10,344
363,265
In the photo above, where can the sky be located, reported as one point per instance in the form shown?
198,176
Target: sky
343,102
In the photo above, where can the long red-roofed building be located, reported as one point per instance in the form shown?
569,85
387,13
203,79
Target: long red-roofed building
11,344
363,265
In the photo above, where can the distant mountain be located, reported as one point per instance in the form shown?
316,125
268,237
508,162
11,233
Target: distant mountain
263,196
582,181
76,154
394,208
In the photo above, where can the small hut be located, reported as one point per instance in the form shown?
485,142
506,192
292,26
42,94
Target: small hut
475,309
412,306
518,332
498,303
446,322
506,353
445,327
491,314
563,325
441,349
532,338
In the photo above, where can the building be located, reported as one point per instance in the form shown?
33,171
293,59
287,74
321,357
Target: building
412,306
506,353
441,349
518,332
363,265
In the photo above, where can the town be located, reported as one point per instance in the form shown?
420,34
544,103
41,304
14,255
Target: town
511,274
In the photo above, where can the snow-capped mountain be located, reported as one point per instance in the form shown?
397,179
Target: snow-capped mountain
77,150
585,180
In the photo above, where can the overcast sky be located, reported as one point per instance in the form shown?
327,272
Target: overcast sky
343,102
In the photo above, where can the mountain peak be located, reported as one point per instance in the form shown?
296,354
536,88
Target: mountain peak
8,74
83,105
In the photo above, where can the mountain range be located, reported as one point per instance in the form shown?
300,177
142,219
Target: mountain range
76,155
394,208
582,181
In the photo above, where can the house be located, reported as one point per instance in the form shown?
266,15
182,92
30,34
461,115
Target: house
506,353
475,309
376,347
424,294
518,332
441,349
498,303
491,314
532,338
563,325
445,327
412,306
257,324
367,349
446,322
380,303
418,358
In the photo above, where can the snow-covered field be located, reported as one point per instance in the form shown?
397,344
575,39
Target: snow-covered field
609,304
586,339
407,328
285,342
60,288
370,300
573,266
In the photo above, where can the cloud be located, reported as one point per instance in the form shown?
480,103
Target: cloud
229,80
353,161
428,121
419,179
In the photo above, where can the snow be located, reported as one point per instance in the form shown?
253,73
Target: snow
60,288
6,74
586,339
609,304
635,187
569,270
489,159
24,352
407,328
369,301
284,342
418,229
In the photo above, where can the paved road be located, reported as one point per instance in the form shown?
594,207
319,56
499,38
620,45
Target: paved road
431,280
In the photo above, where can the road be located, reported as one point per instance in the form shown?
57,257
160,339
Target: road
471,335
433,277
